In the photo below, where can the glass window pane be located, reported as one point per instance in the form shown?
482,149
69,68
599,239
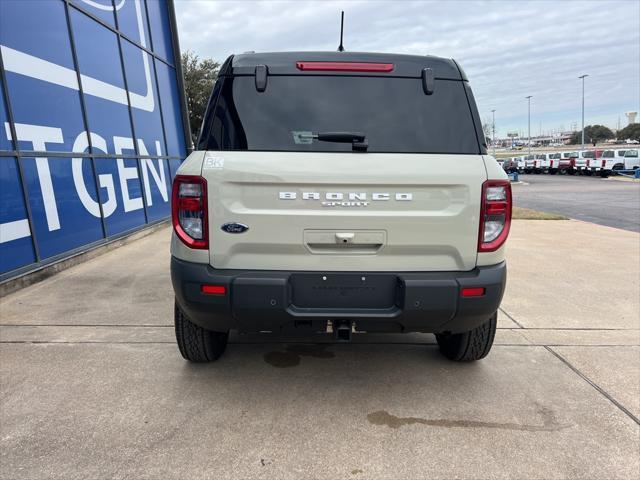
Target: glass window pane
107,106
160,31
173,167
5,132
145,106
16,249
63,202
132,21
103,9
121,194
157,187
44,94
171,113
292,108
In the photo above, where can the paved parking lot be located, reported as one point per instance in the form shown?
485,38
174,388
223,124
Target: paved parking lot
92,384
610,202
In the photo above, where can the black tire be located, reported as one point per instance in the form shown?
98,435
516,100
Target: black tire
604,173
469,346
195,343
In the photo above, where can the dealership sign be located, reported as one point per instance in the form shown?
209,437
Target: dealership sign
107,107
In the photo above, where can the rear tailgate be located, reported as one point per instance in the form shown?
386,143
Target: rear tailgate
344,211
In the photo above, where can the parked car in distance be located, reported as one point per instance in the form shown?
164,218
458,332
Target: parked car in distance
568,159
593,161
559,162
631,160
542,163
580,162
611,160
509,165
520,161
529,163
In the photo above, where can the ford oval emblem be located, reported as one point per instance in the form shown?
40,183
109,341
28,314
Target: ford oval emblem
234,227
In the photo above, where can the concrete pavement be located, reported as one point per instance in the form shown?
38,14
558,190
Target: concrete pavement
92,385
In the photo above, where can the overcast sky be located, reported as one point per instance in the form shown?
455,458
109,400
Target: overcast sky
509,49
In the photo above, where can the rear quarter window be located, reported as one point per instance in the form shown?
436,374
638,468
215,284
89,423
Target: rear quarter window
393,113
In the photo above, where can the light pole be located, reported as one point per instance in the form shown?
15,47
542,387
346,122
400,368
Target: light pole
493,139
529,128
583,77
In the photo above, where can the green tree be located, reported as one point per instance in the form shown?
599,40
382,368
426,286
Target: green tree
199,78
592,133
630,132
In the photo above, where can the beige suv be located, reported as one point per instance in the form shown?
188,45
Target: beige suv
339,193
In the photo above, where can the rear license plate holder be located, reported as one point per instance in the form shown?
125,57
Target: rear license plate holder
343,290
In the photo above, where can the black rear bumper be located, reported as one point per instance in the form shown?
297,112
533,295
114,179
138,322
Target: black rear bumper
278,301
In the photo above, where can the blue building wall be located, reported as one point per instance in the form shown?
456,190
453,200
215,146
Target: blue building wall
92,124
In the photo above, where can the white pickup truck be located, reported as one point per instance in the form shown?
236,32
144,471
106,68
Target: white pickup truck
631,160
580,162
610,161
335,192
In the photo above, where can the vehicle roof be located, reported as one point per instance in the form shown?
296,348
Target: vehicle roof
284,63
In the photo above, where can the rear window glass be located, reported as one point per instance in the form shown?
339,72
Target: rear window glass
393,113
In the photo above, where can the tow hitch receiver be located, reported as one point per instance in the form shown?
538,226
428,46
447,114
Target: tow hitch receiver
342,330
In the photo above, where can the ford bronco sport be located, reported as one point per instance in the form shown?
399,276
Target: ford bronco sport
339,192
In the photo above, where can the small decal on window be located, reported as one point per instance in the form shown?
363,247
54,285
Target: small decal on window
302,138
213,162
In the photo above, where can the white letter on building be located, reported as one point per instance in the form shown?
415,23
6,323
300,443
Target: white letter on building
158,175
106,181
126,173
39,136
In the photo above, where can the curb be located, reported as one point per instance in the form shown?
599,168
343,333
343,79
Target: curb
12,285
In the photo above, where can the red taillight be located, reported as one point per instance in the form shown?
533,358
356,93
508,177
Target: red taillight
495,215
472,292
604,162
345,67
213,289
189,210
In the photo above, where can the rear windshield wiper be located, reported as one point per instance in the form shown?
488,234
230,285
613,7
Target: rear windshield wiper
357,140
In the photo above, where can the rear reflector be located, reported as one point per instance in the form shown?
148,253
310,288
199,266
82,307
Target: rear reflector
345,67
214,289
473,292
